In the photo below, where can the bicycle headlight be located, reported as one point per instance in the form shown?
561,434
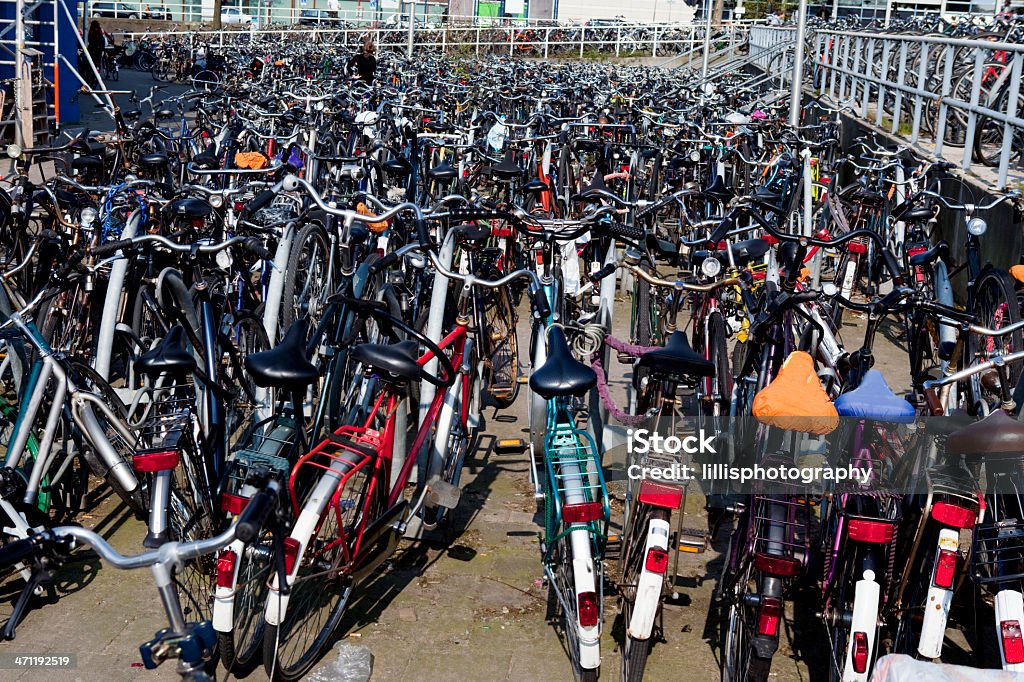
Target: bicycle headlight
216,200
695,156
87,216
977,226
710,267
13,151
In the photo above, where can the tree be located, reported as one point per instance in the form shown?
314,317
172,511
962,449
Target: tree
216,14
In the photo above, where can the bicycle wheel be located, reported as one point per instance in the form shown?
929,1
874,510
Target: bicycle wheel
501,366
995,304
739,662
718,352
563,609
190,518
319,592
635,651
307,285
240,648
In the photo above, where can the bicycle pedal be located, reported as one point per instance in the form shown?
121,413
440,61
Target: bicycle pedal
505,446
692,540
443,494
625,358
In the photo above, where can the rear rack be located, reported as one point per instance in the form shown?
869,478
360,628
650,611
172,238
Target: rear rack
574,468
997,554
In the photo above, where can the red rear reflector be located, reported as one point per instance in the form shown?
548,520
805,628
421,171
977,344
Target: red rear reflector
583,512
878,532
588,609
657,560
233,504
945,568
770,239
155,460
291,553
239,206
860,652
1013,644
770,616
658,495
952,515
198,222
226,568
857,247
776,565
501,231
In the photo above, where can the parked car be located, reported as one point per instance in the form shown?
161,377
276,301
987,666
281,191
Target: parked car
157,13
316,16
234,15
115,10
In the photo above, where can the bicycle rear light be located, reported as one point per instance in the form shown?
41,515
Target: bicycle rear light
860,652
656,495
953,515
876,532
587,602
233,504
1013,643
583,512
657,560
771,564
226,568
151,461
945,568
770,616
291,554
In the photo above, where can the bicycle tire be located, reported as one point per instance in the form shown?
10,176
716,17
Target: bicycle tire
241,649
739,662
310,254
995,304
501,367
635,651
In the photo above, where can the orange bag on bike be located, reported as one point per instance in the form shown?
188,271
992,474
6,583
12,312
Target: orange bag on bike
795,401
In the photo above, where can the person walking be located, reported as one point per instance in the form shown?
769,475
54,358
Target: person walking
364,63
96,42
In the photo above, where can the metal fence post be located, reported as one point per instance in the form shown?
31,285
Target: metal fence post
858,49
972,117
654,46
547,41
1011,112
884,77
511,40
922,75
583,33
867,83
940,128
618,40
478,41
901,73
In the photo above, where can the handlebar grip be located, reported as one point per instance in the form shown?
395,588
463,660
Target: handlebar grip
606,271
255,246
933,403
261,200
16,551
723,229
111,247
623,231
255,513
893,266
382,264
422,233
540,304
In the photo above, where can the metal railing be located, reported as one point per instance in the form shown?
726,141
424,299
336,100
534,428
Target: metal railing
950,92
524,39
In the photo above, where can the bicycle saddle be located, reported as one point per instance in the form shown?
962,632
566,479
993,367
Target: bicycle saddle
767,200
929,256
719,191
913,211
873,399
996,436
154,161
207,158
535,186
399,167
190,208
287,364
443,171
398,360
677,357
795,400
161,114
507,169
169,355
562,374
87,163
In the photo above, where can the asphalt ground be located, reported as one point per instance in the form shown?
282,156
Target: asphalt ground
468,605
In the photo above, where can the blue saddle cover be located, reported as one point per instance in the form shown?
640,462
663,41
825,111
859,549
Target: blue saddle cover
873,399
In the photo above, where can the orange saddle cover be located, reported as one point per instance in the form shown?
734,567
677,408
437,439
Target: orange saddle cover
795,400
